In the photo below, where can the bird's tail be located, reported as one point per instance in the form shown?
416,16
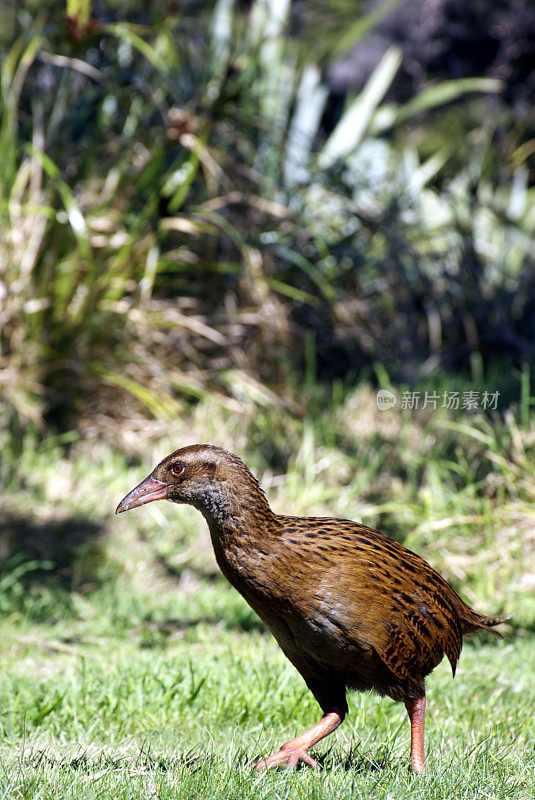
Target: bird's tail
472,621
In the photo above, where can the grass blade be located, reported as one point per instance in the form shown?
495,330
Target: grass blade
351,129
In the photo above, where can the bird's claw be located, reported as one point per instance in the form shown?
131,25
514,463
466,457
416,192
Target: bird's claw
287,757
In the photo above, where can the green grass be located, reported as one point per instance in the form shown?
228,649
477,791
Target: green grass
118,714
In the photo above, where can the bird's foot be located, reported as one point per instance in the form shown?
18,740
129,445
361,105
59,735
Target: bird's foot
287,757
296,750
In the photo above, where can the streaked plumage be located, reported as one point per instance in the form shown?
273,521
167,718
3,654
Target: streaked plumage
350,607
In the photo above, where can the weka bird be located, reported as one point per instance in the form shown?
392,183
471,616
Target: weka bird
350,608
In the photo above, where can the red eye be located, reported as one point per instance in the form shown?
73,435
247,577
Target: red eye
177,469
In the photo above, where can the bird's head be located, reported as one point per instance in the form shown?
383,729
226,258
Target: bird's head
209,478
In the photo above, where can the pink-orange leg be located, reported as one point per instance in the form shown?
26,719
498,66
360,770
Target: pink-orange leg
297,749
416,712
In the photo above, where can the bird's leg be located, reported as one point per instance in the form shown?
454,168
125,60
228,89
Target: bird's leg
416,712
297,749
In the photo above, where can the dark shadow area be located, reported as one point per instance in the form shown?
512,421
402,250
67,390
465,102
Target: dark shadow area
64,552
156,633
88,762
354,761
444,40
66,556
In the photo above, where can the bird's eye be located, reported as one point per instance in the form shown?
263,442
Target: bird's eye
177,469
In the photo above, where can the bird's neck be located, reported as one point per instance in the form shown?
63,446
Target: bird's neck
240,520
240,508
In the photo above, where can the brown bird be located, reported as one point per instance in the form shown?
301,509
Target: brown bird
350,608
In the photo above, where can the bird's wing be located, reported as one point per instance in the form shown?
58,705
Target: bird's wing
378,593
419,619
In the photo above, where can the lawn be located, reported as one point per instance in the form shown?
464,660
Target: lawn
179,708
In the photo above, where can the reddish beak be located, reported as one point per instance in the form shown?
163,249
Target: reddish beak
148,490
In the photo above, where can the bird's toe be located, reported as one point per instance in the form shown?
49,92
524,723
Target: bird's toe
287,757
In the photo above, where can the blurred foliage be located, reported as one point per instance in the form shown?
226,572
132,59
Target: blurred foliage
177,217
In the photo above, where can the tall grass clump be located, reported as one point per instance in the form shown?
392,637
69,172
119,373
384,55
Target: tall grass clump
175,210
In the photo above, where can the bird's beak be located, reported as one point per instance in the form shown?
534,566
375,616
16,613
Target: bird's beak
148,490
